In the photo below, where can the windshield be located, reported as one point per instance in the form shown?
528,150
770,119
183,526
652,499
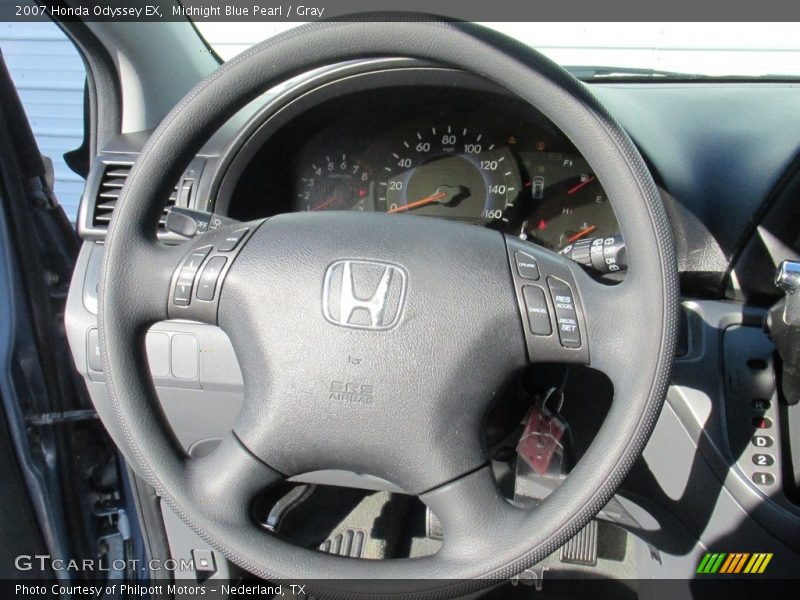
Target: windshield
659,50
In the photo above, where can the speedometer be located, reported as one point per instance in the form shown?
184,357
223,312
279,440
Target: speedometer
449,171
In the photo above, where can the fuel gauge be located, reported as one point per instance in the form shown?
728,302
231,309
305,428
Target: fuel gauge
566,201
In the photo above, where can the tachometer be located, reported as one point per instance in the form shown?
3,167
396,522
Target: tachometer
334,183
449,171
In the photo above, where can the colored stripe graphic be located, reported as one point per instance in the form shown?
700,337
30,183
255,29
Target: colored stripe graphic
741,562
732,558
711,562
701,568
758,563
734,563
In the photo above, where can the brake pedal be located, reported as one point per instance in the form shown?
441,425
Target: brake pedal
582,549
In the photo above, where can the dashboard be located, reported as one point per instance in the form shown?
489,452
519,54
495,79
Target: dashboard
726,169
438,151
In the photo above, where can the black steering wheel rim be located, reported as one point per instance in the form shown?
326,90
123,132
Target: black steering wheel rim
198,489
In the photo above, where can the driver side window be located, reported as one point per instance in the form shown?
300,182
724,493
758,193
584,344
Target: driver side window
50,77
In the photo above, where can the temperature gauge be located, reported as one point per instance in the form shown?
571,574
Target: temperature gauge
566,202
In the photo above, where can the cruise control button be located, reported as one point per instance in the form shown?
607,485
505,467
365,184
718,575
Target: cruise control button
762,478
527,267
231,241
207,284
566,315
536,309
761,441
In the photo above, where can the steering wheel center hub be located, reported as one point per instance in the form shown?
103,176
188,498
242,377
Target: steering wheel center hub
371,337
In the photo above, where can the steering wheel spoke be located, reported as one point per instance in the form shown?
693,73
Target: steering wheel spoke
228,479
610,315
197,279
178,282
617,320
473,514
570,317
149,266
550,303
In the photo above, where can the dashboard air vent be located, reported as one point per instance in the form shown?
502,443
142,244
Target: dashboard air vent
114,177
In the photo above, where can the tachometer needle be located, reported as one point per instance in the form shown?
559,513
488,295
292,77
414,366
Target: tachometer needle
325,204
435,197
580,186
576,236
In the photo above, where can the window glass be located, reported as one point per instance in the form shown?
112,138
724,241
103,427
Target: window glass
710,49
50,76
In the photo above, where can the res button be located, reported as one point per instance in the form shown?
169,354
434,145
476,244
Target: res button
93,351
566,314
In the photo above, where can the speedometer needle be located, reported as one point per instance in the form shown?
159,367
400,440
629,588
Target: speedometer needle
576,236
435,197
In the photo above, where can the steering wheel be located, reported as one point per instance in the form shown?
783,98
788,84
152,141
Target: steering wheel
442,326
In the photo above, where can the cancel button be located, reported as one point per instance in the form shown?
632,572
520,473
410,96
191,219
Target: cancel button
536,309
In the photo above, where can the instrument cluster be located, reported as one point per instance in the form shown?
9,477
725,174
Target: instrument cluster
444,156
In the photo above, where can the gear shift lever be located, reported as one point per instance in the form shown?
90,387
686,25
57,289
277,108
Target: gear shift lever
783,326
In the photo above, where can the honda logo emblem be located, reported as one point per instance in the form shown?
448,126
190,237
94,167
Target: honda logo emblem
364,294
